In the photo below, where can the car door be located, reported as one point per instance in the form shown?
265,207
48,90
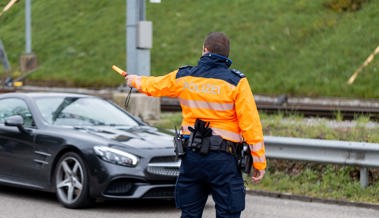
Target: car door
17,148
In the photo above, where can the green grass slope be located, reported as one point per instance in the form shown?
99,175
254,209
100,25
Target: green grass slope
289,47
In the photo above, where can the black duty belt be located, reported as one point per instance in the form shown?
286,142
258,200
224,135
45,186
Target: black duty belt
225,145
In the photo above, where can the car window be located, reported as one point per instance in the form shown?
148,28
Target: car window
14,106
82,111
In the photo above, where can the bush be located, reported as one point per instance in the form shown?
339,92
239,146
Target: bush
345,5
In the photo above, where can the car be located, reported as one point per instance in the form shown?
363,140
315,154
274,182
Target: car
83,148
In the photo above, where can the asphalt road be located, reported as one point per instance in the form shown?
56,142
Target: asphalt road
20,203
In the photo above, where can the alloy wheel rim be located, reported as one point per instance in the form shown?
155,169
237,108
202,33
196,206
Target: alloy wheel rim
69,180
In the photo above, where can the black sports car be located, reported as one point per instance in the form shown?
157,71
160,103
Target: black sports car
82,148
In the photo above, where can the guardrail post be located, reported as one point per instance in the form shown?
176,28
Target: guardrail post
363,177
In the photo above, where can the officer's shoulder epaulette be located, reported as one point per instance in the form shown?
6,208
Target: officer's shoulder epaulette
238,73
185,67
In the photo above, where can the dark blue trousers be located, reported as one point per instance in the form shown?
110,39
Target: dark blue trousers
217,174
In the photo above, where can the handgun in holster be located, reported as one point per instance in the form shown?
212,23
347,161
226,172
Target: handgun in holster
245,159
200,136
178,144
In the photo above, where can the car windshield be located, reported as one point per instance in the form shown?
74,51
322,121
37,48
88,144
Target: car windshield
82,111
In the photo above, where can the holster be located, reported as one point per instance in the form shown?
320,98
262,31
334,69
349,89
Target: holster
200,137
178,144
245,160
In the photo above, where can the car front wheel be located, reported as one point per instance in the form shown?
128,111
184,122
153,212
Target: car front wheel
71,181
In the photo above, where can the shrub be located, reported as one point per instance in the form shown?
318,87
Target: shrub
345,5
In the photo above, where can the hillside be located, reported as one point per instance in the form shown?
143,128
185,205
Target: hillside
301,48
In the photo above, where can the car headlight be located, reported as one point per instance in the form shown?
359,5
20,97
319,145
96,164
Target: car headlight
116,156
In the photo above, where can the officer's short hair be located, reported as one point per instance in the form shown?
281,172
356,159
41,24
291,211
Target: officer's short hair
217,42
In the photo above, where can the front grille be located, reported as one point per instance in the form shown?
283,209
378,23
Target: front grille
119,187
162,159
166,192
164,166
163,171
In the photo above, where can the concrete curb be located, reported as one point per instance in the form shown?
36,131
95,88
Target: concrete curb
312,199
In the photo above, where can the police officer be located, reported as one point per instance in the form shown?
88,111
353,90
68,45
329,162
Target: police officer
221,98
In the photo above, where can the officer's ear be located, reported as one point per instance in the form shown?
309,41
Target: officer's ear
205,50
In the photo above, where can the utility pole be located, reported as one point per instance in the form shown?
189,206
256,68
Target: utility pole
28,60
28,26
138,38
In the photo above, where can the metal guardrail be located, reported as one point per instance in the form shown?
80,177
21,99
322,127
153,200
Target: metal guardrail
359,154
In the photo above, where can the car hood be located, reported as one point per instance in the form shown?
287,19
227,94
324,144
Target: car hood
138,136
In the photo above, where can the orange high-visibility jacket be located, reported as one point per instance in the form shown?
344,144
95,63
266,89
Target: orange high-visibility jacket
212,92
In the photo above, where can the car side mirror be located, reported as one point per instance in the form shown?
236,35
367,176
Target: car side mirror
17,121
